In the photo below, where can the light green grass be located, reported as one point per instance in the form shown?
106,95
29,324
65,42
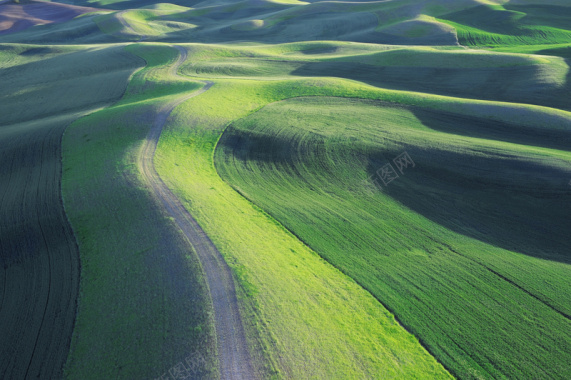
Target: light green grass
310,320
193,185
280,305
458,72
420,245
431,57
559,50
144,305
511,25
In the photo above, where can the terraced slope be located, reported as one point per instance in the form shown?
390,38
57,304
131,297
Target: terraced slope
39,258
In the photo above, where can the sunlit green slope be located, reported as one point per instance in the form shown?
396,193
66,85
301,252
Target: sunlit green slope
469,248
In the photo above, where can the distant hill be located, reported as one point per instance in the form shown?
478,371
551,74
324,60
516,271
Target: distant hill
15,17
397,22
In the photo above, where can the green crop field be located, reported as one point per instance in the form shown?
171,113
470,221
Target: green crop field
439,253
283,189
40,268
143,308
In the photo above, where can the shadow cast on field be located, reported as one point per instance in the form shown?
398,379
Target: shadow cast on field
462,125
504,201
512,84
563,91
515,205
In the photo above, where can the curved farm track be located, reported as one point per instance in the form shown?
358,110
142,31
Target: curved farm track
234,358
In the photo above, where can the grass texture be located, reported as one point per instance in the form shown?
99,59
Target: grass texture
39,269
458,267
143,306
436,246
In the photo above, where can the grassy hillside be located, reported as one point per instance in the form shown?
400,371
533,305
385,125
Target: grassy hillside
387,349
438,246
39,269
453,72
309,319
81,30
397,22
125,4
526,125
404,22
457,267
144,306
16,16
489,25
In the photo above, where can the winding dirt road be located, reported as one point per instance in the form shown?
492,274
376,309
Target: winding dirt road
234,358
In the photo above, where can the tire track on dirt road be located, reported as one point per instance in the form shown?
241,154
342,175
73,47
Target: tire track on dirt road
233,354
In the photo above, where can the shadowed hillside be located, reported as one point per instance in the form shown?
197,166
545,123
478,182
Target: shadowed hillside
401,22
16,16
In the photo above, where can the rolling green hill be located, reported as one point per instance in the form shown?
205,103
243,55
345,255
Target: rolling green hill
144,307
388,183
438,245
43,92
400,22
488,25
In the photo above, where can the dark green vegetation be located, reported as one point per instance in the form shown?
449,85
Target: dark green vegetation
139,314
39,272
458,266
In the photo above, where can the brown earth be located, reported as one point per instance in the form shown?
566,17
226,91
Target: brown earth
17,17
